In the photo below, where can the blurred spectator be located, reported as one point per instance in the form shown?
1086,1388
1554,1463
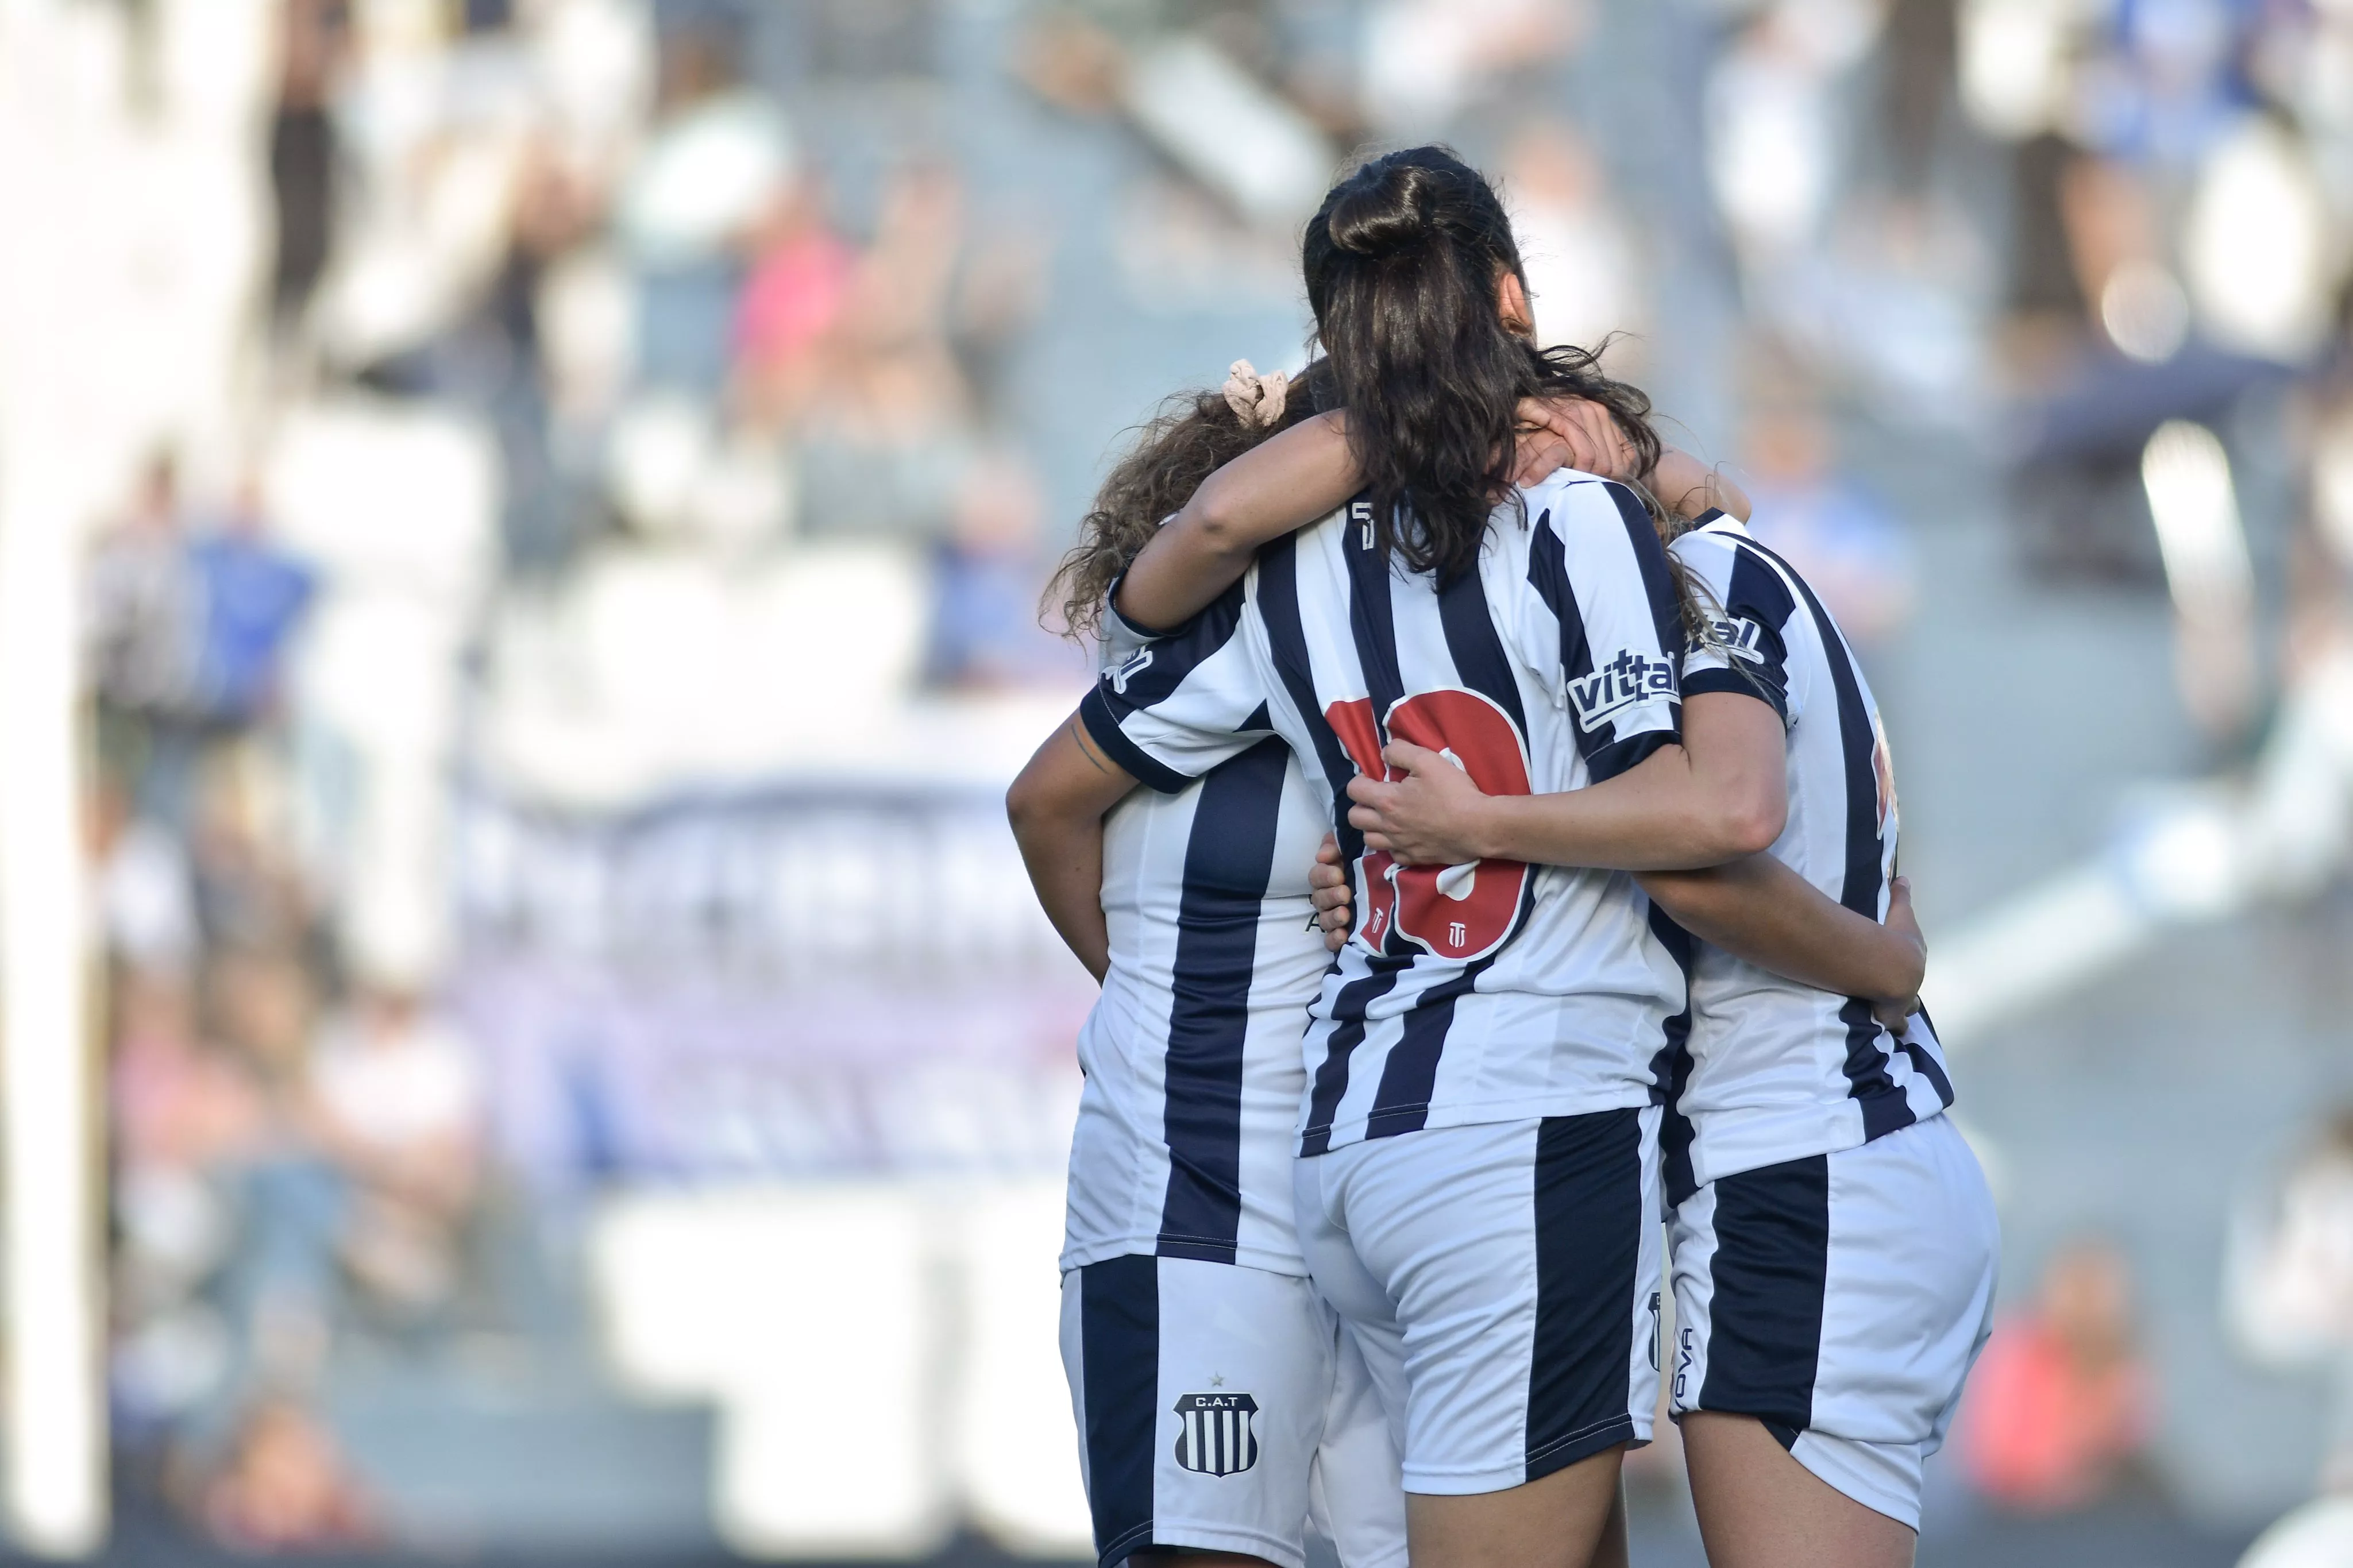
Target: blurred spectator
146,897
1427,60
717,161
284,1487
303,155
1844,541
140,627
2288,1284
984,629
1584,274
800,287
884,456
2061,1406
254,592
397,1106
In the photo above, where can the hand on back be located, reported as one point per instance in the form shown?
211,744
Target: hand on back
1570,433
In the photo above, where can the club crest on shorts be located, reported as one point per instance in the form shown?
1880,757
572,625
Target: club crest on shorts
1215,1436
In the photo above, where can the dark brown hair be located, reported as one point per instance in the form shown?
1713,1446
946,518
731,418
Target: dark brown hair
1402,262
1194,435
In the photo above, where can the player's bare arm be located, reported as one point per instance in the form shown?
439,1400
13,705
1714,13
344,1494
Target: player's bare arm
1760,910
1756,908
1292,479
1720,795
1057,808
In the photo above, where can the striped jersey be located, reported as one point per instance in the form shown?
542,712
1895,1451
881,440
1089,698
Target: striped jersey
1183,1146
1485,992
1775,1070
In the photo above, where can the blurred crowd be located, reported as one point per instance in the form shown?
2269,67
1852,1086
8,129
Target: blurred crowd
709,383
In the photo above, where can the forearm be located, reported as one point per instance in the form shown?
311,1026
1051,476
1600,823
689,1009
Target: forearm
1723,794
1759,910
1056,808
1064,857
1689,488
1284,483
1661,815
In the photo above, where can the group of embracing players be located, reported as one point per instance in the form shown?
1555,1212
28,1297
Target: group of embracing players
1510,894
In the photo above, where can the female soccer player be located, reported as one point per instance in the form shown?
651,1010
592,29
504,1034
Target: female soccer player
1220,1406
1775,1152
1488,1057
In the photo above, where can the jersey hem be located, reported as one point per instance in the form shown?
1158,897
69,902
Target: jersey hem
1758,1139
1258,1258
1478,1113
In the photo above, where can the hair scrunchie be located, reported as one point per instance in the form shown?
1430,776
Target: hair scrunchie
1256,400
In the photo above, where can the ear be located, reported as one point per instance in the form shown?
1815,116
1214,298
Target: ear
1512,304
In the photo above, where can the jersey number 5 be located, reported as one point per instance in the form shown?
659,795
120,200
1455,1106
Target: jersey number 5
1456,911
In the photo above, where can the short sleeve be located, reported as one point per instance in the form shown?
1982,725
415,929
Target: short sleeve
1176,708
1596,562
1747,607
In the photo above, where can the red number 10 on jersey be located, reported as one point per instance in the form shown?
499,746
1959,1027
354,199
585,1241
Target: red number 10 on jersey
1456,911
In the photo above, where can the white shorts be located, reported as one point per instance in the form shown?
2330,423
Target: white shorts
1841,1299
1503,1281
1224,1408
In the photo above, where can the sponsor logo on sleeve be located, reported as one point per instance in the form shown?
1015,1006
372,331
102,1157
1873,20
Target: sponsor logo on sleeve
1628,681
1739,636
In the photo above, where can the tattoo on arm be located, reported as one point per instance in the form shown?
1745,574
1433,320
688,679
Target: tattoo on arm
1087,748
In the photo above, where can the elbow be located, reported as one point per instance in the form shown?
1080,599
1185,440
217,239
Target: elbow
1024,807
1213,519
1753,825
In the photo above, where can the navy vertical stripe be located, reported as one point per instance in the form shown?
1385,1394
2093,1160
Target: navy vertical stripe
1884,1106
1772,1259
1605,756
1278,579
1372,624
1409,1075
1758,593
1589,1237
1228,859
1658,577
1670,1067
1119,1367
1548,575
1477,649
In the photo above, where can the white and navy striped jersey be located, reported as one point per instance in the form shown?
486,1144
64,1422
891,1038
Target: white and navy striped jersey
1487,992
1183,1140
1773,1070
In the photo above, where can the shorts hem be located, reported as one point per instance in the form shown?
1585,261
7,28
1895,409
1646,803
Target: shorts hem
1822,1458
1558,1455
1123,1545
1578,1447
1184,1535
1815,1451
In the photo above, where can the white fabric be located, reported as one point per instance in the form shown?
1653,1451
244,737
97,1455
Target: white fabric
1906,1291
1427,1249
1563,988
1120,1151
1774,1063
1324,1460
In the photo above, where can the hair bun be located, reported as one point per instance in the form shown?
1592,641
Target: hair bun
1395,211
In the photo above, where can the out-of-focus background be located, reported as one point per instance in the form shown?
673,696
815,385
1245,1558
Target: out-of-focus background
523,1033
